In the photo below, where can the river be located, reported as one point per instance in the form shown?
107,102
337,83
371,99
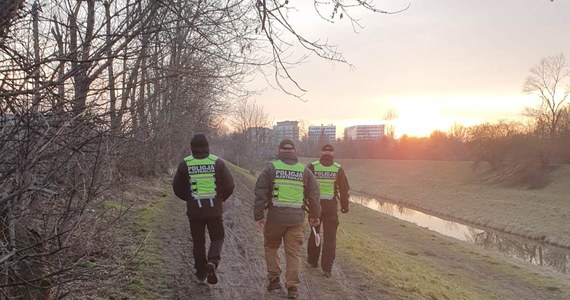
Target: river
552,257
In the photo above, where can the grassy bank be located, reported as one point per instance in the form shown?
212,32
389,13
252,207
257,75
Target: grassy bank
454,189
149,256
409,262
142,204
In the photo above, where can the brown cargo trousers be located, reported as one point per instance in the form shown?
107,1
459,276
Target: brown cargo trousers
292,236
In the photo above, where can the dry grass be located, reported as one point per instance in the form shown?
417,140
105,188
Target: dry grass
454,189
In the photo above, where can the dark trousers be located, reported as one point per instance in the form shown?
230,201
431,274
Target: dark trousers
215,227
329,222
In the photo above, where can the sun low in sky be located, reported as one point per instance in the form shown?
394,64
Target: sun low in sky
423,115
438,63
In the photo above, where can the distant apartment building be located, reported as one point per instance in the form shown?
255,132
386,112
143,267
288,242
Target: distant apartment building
285,130
364,132
326,131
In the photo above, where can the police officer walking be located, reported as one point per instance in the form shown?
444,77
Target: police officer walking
204,182
280,188
334,187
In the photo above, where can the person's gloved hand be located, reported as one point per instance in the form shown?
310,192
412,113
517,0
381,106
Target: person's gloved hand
344,210
314,221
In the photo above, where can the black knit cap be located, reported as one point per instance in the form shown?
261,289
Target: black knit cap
287,144
199,141
327,147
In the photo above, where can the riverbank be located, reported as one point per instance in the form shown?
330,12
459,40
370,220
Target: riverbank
415,263
455,190
378,257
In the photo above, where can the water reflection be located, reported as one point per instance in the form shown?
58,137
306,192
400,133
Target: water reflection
524,249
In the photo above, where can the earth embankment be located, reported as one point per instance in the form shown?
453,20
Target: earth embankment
378,257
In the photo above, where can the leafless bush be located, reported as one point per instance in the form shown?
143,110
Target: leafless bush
493,143
54,228
516,157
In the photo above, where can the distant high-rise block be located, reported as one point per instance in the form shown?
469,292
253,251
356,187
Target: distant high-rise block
364,132
327,132
285,130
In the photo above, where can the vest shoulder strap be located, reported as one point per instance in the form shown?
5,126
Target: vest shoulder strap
318,164
209,157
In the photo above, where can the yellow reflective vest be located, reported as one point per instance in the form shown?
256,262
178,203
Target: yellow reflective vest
201,173
326,177
288,184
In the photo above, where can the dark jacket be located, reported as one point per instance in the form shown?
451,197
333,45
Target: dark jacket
224,188
341,185
285,216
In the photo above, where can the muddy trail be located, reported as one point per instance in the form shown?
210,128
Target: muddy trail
242,269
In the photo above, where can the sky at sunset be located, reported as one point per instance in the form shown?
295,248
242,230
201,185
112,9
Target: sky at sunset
438,63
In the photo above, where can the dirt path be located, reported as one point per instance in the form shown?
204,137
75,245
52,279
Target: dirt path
242,268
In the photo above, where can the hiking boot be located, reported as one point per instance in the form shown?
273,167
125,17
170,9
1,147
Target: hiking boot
211,270
292,293
274,284
327,274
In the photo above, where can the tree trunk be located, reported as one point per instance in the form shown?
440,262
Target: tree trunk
82,81
110,73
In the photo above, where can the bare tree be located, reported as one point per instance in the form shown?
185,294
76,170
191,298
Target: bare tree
390,116
253,137
549,80
274,24
248,114
458,132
